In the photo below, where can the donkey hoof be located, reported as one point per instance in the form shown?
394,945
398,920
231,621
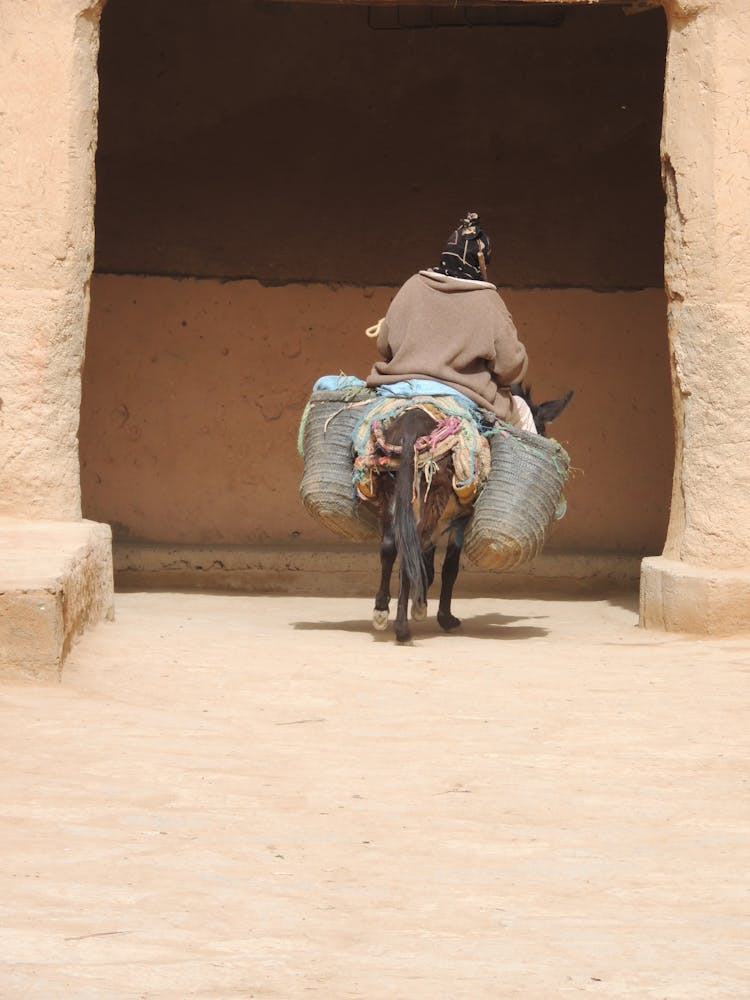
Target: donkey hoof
447,621
380,620
419,611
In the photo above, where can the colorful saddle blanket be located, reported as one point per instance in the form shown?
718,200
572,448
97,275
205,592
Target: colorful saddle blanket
456,433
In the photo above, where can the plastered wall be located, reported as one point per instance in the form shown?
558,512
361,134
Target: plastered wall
194,391
317,190
48,101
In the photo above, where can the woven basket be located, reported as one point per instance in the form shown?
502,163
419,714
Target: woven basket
516,508
326,489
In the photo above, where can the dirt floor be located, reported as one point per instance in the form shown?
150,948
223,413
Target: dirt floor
234,796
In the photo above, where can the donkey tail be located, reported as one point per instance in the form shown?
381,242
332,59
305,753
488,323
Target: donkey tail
408,542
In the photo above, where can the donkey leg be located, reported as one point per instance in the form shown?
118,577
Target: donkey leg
419,611
445,619
383,596
401,624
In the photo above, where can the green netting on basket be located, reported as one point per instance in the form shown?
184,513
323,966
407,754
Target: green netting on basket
523,495
325,442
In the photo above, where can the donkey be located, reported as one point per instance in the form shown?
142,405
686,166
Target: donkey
543,413
412,524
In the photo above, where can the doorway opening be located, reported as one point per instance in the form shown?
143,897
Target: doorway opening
269,173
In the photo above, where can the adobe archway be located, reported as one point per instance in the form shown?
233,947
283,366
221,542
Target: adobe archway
219,292
702,581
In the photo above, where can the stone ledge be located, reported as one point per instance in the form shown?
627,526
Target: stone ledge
696,600
347,570
56,579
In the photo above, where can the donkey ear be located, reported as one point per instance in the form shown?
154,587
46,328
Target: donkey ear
546,412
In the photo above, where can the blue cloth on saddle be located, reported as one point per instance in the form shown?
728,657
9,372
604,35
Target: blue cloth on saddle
406,388
426,387
331,383
459,404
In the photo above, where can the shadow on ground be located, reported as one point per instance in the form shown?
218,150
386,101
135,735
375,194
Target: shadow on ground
486,626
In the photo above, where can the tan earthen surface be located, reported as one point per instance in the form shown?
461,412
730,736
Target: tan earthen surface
193,393
56,580
705,148
678,597
49,90
348,570
258,797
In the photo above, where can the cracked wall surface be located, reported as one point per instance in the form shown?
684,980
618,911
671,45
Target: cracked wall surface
706,170
47,138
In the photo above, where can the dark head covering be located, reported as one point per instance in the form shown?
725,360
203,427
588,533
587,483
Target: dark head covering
467,251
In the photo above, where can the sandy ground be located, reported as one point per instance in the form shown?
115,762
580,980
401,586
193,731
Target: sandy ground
234,796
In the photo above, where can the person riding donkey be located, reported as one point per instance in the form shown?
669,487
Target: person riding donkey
448,325
418,431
